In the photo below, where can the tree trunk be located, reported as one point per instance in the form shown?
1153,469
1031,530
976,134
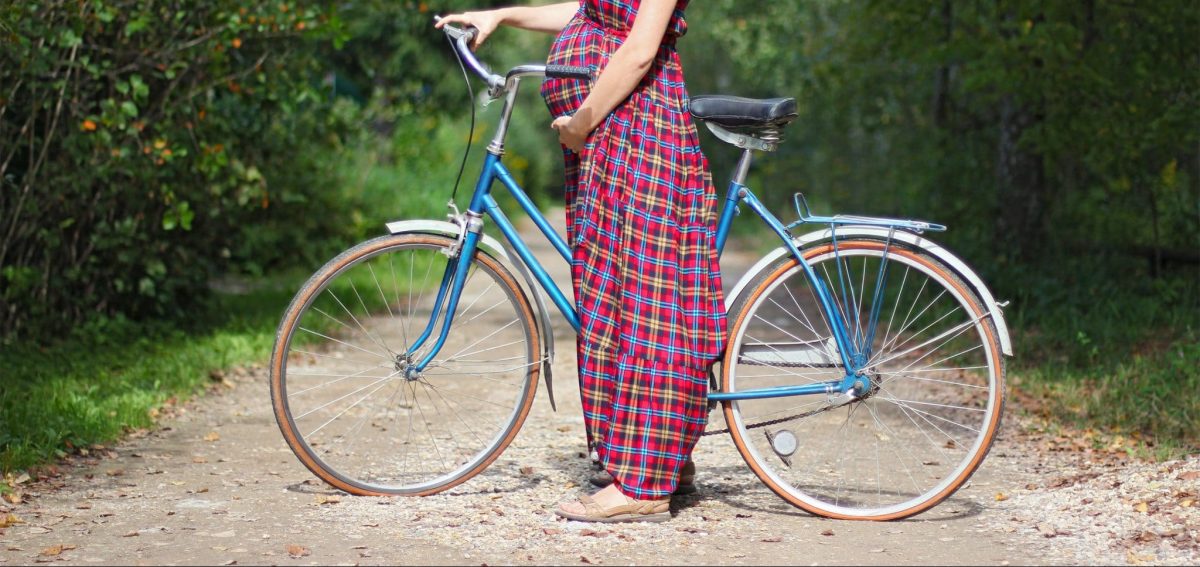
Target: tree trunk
941,90
1020,185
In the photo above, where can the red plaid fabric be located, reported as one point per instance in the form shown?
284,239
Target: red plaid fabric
641,220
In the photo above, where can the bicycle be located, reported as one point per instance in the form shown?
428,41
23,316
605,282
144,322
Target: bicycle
865,351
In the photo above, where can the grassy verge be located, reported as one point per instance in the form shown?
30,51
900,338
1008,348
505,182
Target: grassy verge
1119,354
110,377
1153,399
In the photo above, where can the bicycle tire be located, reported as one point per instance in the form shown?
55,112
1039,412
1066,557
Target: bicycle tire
461,413
932,409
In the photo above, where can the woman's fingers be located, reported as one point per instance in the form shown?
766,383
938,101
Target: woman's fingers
567,136
483,22
452,19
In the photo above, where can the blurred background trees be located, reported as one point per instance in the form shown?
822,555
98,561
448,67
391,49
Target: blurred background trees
150,149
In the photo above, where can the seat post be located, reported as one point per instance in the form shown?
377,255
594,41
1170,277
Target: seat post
743,167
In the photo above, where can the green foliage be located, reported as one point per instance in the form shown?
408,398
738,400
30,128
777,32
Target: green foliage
146,147
1057,140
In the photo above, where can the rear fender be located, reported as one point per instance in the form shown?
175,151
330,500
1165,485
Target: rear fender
874,233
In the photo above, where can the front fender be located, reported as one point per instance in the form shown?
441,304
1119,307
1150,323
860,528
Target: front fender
914,240
496,249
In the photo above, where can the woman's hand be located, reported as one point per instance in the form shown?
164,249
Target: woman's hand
485,22
570,134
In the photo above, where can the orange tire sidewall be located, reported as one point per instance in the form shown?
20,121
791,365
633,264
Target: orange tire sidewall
302,299
997,364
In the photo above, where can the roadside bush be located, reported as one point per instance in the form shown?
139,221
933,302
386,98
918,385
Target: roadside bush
148,146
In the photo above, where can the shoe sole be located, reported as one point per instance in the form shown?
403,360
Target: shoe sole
616,518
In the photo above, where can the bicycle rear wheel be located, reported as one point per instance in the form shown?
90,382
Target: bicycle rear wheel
935,360
338,381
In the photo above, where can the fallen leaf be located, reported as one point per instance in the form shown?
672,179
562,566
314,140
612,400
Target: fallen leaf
1136,559
1001,497
1046,530
551,531
212,436
1189,475
827,532
328,499
199,460
13,498
1186,503
114,472
10,520
1147,536
526,470
131,534
83,506
584,559
51,551
298,551
1142,507
592,533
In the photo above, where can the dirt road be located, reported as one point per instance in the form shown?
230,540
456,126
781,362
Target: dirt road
215,484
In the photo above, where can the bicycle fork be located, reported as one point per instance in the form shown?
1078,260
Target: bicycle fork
449,293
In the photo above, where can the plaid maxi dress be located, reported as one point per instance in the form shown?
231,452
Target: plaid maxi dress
641,222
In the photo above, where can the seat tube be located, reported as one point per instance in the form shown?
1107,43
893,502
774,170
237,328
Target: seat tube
735,193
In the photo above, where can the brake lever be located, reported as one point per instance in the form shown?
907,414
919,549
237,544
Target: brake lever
457,33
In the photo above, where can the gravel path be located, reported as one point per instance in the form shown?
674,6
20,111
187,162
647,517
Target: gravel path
215,484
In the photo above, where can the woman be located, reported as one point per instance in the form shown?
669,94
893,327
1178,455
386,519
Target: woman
641,222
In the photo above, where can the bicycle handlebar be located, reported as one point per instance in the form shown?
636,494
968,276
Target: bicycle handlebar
462,39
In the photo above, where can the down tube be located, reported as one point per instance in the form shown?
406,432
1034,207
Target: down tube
526,255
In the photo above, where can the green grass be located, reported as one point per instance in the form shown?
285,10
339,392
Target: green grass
1114,351
107,378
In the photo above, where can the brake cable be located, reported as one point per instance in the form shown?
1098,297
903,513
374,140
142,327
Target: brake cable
471,134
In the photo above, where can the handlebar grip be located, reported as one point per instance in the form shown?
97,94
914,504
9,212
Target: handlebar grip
568,72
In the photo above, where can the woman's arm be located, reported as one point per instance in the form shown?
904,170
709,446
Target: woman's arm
624,71
549,18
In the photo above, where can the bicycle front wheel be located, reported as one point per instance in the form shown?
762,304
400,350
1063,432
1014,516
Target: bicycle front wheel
339,386
931,352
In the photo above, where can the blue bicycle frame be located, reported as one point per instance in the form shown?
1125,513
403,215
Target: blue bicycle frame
853,352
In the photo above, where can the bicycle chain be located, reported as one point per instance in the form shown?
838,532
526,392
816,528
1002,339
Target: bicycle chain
783,419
